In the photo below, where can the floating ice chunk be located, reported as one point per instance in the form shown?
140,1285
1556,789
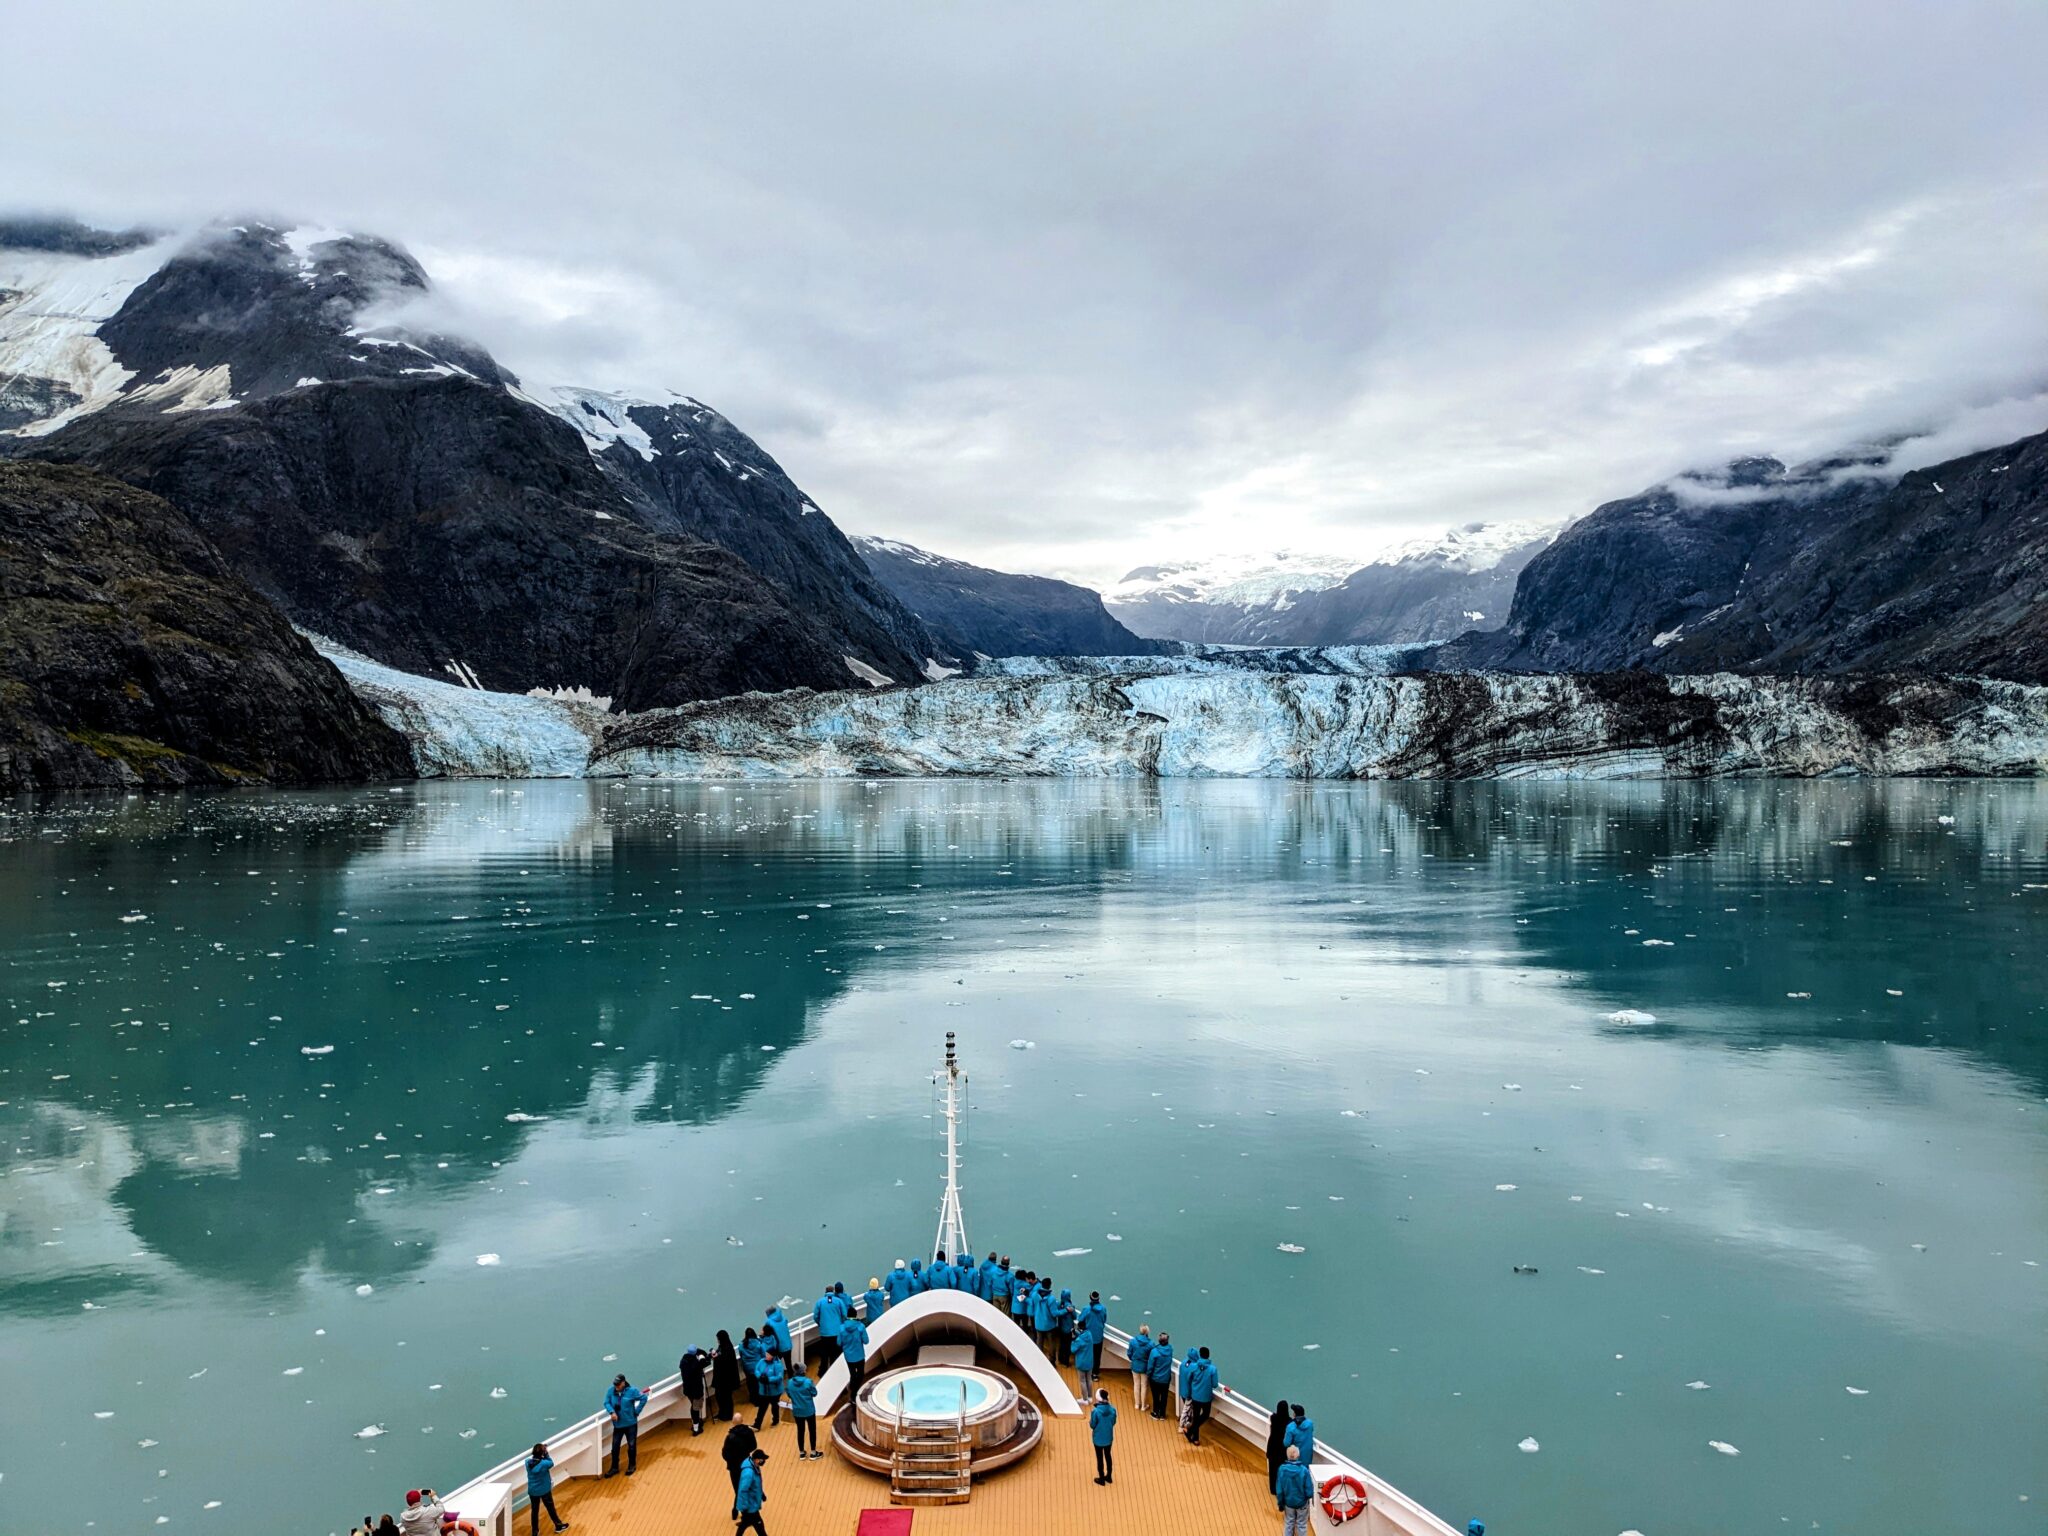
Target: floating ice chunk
1857,1391
1698,1386
1070,1253
1504,1188
364,1290
316,1050
135,917
108,1414
1657,944
487,1259
1023,1045
145,1444
1588,1270
1945,821
1114,1237
1724,1447
733,1242
1348,1114
295,1370
1311,1346
1529,1445
467,1434
1799,994
1893,992
1292,1248
521,1117
497,1392
1512,1087
1631,1016
371,1432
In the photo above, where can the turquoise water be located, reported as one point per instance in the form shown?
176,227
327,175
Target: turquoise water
937,1393
614,1065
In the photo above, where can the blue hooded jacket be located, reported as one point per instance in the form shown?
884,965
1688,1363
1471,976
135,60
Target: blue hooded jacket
1095,1318
828,1317
998,1284
751,1495
626,1405
1102,1423
1063,1315
898,1283
770,1376
1044,1310
803,1396
876,1301
1198,1379
778,1325
1020,1302
1301,1434
540,1476
853,1340
919,1280
1294,1487
751,1353
1160,1367
1084,1351
1140,1350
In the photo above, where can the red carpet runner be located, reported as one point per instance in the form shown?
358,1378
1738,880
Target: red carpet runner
884,1522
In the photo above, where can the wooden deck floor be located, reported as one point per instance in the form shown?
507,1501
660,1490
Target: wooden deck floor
1162,1482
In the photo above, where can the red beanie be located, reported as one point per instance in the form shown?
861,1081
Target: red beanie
412,1496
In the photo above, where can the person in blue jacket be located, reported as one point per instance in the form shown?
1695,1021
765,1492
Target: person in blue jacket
897,1281
1294,1489
853,1343
803,1408
1301,1435
777,1328
1102,1431
1064,1322
1020,1299
540,1487
827,1316
919,1283
1140,1352
1084,1365
1198,1388
999,1283
874,1301
752,1350
1044,1316
768,1390
753,1494
1095,1318
1159,1368
624,1403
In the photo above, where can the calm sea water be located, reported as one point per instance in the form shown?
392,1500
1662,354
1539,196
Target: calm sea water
279,1075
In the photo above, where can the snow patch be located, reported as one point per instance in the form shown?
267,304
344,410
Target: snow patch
867,674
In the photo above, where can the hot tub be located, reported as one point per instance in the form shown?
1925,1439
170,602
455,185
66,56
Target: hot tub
927,1395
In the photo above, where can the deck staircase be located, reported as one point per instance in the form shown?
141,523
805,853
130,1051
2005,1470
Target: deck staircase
932,1464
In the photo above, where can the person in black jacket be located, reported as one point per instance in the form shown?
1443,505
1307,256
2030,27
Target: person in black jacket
740,1443
725,1374
1276,1444
694,1373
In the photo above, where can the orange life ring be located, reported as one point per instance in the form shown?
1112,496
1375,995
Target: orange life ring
1343,1498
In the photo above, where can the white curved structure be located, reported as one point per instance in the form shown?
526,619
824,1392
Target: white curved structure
939,1317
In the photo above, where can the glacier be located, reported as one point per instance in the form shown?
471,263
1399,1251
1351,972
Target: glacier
1216,722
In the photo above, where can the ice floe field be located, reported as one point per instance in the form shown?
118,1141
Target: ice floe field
1590,1157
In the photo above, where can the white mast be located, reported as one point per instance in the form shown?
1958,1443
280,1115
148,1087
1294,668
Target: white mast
952,1225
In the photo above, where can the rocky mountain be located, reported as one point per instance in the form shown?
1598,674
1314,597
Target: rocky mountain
1416,593
1834,566
974,611
395,489
131,654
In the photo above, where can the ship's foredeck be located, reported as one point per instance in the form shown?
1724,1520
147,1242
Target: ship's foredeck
1218,1486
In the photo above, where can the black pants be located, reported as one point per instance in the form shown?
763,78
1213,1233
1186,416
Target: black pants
627,1435
547,1501
1104,1469
766,1405
856,1373
1198,1415
724,1396
1161,1391
807,1430
732,1470
828,1351
751,1518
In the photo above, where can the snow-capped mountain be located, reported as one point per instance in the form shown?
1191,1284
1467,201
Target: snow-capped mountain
975,611
1416,592
399,491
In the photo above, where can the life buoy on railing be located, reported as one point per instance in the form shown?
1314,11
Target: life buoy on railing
1343,1498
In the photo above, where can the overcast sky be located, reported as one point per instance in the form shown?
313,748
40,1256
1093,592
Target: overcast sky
1073,287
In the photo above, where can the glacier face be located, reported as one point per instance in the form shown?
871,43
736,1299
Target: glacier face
1210,660
1258,725
1222,723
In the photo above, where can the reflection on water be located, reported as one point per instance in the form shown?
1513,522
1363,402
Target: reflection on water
277,1071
